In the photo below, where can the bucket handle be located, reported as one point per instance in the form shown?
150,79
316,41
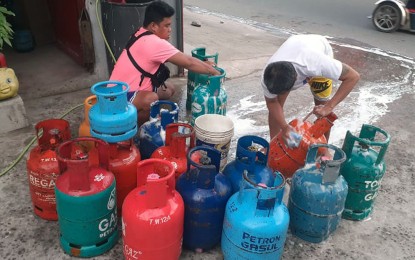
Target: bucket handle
366,137
243,151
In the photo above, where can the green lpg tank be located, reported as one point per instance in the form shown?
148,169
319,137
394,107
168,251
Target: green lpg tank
363,170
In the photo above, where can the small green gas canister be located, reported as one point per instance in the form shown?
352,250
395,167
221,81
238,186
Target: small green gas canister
86,198
210,98
193,81
363,170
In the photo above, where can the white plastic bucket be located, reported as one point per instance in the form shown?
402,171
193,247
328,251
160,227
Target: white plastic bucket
215,131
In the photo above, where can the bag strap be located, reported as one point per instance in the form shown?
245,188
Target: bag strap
130,43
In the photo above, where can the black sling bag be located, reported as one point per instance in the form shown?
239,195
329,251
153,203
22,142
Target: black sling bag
157,79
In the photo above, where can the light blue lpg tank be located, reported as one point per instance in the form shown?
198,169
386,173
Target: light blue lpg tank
256,221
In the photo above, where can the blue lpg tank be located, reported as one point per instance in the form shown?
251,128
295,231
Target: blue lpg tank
205,192
317,196
256,221
252,156
152,134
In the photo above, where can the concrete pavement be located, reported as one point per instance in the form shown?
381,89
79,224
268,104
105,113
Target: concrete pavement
49,89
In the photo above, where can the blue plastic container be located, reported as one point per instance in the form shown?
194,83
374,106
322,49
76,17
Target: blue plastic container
252,156
256,221
112,118
205,192
23,41
317,196
152,134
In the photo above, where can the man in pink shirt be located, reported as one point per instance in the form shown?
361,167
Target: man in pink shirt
145,55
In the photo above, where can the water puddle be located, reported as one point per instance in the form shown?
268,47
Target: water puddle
385,77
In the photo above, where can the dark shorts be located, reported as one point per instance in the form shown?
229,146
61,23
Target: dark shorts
131,96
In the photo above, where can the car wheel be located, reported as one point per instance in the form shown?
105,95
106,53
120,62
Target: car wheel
387,17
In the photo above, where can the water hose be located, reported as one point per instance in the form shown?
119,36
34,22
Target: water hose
27,147
31,143
102,32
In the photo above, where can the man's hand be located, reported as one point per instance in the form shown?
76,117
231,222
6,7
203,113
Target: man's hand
210,63
322,110
213,71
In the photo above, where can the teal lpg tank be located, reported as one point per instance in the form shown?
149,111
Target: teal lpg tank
86,198
317,195
194,79
209,98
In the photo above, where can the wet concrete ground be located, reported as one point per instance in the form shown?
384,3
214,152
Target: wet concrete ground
384,97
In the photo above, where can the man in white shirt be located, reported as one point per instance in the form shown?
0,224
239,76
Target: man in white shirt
304,60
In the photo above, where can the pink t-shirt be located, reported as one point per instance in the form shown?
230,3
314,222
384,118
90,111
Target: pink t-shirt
149,52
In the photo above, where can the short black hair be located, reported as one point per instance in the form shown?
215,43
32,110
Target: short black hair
279,77
156,12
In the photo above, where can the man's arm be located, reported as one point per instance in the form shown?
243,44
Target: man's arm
188,62
349,78
276,118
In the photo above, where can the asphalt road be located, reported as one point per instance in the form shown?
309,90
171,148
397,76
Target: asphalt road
345,20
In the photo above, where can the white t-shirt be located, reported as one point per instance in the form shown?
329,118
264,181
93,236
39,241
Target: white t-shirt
311,56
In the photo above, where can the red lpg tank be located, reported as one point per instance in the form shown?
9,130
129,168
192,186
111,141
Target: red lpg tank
43,168
180,137
153,214
3,63
287,160
124,157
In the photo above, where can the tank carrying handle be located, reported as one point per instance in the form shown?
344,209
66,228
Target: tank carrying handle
253,148
157,175
214,83
200,53
165,115
211,153
180,137
367,137
329,166
50,133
